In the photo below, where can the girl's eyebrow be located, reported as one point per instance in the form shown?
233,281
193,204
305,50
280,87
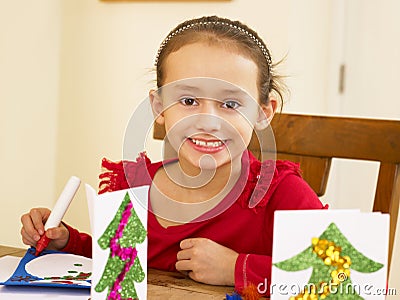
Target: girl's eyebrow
186,87
233,91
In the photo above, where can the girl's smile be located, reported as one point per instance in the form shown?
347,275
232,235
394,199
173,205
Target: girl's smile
207,145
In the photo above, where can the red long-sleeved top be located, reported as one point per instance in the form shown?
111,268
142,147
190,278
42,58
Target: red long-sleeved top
270,185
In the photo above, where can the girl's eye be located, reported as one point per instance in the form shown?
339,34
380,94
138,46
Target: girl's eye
231,104
189,101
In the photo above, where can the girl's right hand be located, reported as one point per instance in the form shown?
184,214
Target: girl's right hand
33,228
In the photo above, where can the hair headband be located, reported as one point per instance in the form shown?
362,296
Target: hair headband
263,49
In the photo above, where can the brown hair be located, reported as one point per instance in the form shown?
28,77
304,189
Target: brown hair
217,29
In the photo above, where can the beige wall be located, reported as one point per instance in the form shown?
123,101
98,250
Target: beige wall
29,77
76,69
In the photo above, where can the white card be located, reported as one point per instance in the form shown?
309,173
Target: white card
364,276
111,215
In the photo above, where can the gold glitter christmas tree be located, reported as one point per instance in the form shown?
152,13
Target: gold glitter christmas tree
331,256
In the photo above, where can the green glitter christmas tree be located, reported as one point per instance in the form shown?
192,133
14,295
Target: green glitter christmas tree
123,267
331,256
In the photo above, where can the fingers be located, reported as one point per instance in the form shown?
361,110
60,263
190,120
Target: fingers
59,237
188,268
33,225
190,248
189,243
183,265
186,258
186,244
184,254
27,239
33,228
55,233
39,217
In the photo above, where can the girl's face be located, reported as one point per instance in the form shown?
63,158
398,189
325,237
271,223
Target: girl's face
209,104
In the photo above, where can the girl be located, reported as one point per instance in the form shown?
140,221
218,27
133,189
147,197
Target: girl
216,84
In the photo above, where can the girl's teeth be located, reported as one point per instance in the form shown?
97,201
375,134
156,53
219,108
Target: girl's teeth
207,144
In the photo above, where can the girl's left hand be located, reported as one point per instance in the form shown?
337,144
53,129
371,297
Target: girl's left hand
207,262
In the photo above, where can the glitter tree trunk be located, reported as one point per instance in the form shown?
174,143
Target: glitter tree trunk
331,256
123,267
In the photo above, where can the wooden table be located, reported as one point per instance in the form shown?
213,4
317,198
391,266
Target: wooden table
161,284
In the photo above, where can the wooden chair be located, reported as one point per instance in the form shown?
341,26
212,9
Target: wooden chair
314,140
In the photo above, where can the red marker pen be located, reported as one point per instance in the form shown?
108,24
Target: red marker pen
58,211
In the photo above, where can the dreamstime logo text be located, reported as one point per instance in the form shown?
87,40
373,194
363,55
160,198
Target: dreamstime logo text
346,289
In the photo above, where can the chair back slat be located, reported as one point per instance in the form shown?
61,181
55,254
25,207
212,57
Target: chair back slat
338,137
387,197
384,188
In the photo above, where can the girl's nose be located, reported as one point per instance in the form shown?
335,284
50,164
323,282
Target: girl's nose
208,119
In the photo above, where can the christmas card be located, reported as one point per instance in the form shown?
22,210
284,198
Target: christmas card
52,269
119,229
329,254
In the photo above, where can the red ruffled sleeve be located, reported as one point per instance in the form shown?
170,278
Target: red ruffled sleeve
124,174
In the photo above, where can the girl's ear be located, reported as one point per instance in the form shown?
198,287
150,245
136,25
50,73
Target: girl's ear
265,114
156,106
